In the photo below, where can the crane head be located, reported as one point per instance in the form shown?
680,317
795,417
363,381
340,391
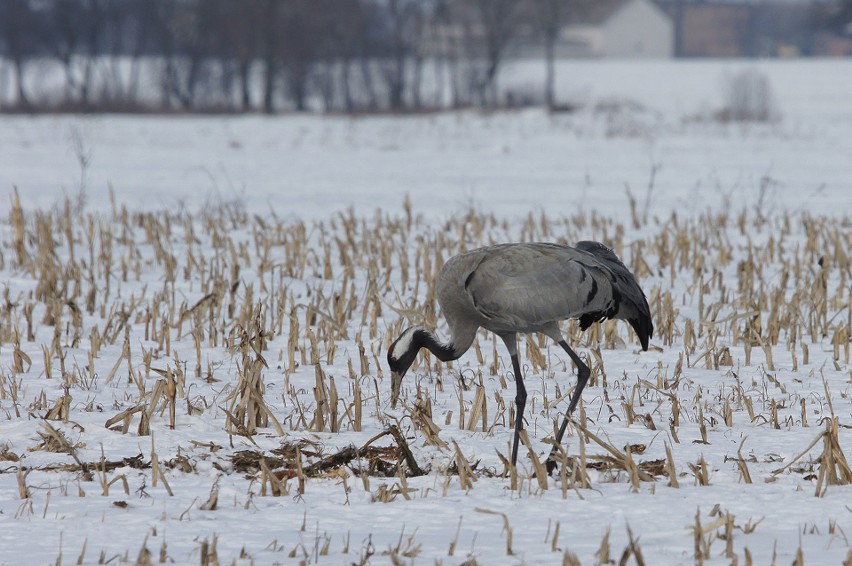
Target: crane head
401,355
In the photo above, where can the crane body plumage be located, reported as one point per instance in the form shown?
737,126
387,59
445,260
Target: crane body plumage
525,288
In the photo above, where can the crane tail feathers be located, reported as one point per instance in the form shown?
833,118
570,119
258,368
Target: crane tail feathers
644,329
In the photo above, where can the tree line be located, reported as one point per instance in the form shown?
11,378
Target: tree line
285,55
264,55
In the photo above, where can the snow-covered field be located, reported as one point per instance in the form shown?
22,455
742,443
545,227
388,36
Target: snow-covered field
196,311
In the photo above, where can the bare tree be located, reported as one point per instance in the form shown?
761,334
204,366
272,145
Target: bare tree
190,28
269,50
300,38
127,37
451,24
404,32
499,25
550,15
20,32
244,43
459,40
161,16
68,29
351,54
368,49
418,26
344,32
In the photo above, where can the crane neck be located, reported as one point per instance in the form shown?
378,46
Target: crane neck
444,351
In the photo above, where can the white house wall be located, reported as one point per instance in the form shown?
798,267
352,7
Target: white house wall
639,29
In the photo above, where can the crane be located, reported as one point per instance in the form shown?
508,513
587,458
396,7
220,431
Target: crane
525,288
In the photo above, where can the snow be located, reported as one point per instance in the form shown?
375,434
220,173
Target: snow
665,149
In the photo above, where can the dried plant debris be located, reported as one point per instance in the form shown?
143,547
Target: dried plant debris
307,459
832,467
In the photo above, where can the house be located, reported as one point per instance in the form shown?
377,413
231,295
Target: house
591,28
637,29
743,28
617,28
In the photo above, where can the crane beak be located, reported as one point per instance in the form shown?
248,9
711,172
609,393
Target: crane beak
396,385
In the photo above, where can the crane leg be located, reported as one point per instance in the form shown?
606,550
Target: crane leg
520,403
583,373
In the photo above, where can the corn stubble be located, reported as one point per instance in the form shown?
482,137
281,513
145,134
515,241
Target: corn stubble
240,302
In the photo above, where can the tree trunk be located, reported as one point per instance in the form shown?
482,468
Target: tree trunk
245,66
416,81
367,74
270,45
348,103
18,66
550,74
268,86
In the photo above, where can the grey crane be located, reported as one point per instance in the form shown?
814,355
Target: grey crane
524,288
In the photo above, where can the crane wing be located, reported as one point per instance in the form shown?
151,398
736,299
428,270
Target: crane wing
528,285
632,305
